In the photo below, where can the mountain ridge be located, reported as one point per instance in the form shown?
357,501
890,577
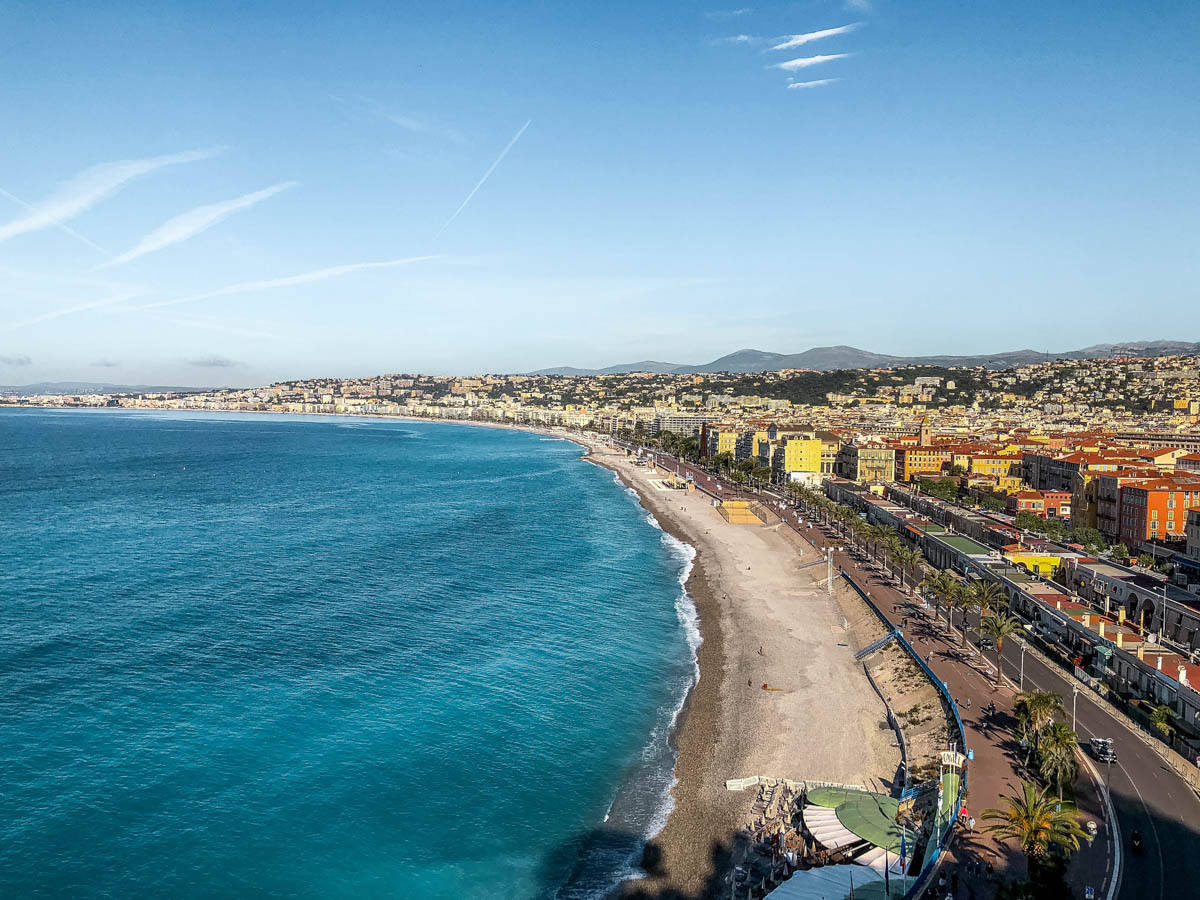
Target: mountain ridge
845,357
88,387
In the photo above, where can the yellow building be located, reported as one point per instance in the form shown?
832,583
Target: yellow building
760,438
1009,484
1041,563
912,462
801,455
995,465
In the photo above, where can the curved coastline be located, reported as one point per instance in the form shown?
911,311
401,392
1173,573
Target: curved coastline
693,734
723,729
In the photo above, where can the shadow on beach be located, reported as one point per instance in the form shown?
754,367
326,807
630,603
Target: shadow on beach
593,857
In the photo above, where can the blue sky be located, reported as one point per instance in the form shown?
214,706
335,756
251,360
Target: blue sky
192,192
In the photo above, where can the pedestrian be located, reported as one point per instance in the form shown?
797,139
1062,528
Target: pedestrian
968,703
971,823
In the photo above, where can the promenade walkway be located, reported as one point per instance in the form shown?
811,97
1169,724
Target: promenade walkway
976,861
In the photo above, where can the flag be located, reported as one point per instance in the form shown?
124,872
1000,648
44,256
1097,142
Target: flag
903,855
887,882
852,884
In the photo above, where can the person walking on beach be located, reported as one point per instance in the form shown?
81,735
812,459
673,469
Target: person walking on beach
968,703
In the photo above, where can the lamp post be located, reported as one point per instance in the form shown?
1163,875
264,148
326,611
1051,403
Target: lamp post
1074,700
1021,680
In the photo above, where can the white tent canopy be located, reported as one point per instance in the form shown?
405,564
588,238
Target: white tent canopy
834,883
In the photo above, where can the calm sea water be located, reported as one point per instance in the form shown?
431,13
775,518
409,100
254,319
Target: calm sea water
273,656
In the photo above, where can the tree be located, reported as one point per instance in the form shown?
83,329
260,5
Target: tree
879,534
1027,521
943,585
1163,720
1035,711
1035,822
1145,560
962,595
985,596
892,548
1056,755
1120,553
998,626
911,560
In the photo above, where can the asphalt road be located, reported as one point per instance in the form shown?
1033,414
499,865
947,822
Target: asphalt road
1147,794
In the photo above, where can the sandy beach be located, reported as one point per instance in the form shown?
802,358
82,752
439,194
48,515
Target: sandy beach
822,723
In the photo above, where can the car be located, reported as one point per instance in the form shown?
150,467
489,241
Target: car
987,644
1102,749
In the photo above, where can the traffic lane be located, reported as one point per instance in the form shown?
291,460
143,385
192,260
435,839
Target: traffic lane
1147,795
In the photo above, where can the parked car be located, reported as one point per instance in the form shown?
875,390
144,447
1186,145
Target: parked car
987,644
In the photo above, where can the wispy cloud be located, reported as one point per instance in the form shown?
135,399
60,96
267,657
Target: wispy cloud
247,287
15,359
225,326
359,105
812,84
796,40
741,39
422,126
70,310
65,229
486,176
191,223
859,6
718,14
213,362
91,186
804,62
104,364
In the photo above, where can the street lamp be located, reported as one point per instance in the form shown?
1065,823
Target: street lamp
1021,681
1074,700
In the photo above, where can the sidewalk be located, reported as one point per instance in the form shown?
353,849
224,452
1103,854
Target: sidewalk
997,768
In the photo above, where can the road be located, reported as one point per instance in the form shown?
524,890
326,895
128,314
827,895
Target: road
1146,793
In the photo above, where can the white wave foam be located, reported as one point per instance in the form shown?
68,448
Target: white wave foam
689,620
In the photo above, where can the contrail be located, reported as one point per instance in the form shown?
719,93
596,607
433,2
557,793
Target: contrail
485,177
246,287
91,186
66,229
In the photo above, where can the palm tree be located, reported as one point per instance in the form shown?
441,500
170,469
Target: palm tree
891,549
1056,755
998,626
1035,711
1163,720
1034,821
861,532
986,596
943,588
962,595
879,534
910,561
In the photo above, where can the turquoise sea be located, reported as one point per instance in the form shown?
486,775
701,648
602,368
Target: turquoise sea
250,655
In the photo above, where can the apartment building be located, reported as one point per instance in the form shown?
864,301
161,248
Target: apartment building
866,461
1156,509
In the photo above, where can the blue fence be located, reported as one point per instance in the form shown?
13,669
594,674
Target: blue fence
931,856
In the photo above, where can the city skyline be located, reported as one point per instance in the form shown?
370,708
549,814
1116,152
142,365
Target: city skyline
196,200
